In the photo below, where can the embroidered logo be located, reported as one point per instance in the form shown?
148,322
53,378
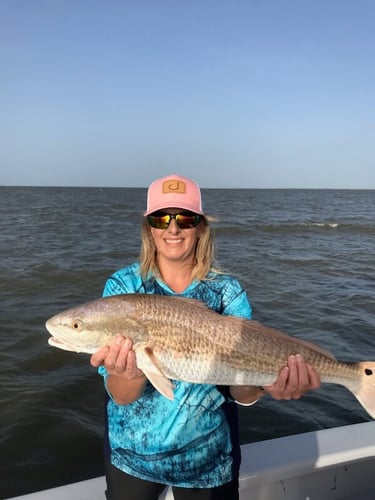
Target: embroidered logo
174,186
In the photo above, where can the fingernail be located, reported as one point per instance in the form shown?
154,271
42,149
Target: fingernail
299,357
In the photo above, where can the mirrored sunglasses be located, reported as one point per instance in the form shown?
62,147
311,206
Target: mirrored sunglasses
185,220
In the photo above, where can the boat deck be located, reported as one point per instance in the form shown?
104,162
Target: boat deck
331,464
93,489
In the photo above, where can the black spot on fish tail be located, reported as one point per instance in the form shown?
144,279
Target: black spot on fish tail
368,371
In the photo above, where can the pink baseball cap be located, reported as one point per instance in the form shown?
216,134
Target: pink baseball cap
174,191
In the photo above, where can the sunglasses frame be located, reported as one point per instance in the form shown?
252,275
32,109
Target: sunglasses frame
160,214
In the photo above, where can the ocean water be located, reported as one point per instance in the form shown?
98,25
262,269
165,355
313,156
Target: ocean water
305,257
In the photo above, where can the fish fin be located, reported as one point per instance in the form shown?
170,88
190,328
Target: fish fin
154,373
365,390
296,340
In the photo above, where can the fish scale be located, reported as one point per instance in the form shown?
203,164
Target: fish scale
181,339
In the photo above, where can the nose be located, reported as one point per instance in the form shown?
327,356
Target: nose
173,226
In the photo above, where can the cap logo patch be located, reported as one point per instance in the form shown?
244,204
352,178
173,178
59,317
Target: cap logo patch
174,186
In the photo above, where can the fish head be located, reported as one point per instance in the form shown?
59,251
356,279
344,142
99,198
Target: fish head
88,327
74,330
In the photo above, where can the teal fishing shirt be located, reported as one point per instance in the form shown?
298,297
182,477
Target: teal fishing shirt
193,440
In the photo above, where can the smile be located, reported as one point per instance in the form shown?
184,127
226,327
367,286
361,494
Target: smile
174,242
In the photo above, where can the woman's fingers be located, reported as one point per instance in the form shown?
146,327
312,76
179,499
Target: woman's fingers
118,358
294,379
97,359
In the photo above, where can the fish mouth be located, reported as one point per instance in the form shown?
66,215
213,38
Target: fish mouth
55,342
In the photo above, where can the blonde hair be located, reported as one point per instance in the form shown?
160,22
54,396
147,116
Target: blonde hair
204,252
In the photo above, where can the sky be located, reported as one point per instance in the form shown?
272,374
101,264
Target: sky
233,93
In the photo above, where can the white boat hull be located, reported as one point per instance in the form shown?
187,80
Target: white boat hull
331,464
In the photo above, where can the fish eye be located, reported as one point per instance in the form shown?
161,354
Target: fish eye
77,325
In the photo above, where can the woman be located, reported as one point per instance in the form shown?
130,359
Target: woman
191,442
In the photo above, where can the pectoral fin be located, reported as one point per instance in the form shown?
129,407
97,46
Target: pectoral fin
148,364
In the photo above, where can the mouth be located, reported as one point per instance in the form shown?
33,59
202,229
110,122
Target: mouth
54,342
174,242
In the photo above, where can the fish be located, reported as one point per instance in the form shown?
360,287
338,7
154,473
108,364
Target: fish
177,338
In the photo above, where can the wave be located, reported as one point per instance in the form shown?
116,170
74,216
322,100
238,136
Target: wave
293,227
325,224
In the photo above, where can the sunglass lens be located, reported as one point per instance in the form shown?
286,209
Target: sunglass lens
186,221
159,221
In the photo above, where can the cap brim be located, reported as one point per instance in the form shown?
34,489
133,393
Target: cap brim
183,206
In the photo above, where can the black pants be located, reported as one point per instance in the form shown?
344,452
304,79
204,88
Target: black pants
122,486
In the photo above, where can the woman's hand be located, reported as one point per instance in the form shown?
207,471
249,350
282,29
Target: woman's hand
126,381
118,358
294,379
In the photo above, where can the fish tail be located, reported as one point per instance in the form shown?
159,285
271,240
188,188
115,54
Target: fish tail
365,390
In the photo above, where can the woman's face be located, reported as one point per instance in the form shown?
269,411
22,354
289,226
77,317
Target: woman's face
176,244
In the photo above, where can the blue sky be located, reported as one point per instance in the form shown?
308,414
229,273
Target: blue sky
235,93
